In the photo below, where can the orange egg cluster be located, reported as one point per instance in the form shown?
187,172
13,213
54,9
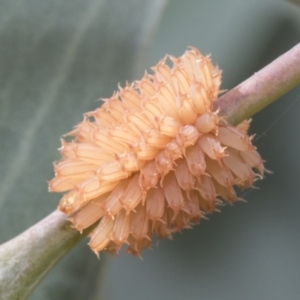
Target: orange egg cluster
154,158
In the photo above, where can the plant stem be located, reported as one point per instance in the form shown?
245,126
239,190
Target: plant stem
27,258
262,88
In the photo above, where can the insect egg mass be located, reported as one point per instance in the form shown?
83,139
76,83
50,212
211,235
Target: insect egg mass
154,158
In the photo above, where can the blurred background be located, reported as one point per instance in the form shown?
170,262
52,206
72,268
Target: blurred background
58,57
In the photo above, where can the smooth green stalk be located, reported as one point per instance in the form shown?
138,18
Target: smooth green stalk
26,259
262,88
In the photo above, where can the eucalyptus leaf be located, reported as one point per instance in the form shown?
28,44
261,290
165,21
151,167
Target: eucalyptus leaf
57,58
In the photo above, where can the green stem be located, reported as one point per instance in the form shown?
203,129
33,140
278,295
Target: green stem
27,258
262,88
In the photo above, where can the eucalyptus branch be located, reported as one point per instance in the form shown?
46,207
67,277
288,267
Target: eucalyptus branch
26,259
262,88
297,2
